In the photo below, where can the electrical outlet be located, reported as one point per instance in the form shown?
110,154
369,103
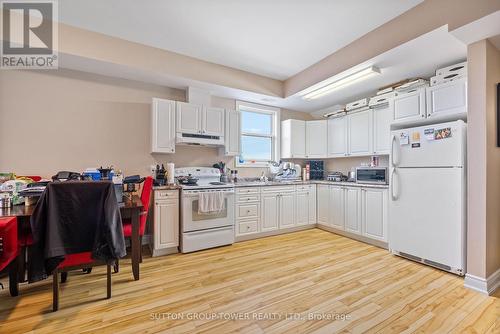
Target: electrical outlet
152,170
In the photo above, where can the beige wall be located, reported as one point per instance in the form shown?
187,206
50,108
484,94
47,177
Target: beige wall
493,162
483,229
69,120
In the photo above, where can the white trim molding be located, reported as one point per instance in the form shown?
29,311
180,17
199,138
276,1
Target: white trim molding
486,286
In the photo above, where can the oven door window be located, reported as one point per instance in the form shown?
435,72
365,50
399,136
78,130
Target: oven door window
206,216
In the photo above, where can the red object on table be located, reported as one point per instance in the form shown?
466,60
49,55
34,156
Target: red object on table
10,251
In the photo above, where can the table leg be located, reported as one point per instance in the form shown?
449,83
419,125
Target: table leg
135,244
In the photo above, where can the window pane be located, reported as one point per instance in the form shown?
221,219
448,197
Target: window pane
255,148
256,123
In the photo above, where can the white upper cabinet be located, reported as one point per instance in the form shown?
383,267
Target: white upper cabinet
316,139
212,121
232,133
200,120
337,137
447,99
189,118
382,119
293,139
162,126
374,213
303,139
360,126
409,106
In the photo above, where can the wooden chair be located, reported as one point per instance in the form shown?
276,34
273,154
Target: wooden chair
77,261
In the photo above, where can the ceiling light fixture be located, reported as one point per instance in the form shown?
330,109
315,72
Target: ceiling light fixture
341,83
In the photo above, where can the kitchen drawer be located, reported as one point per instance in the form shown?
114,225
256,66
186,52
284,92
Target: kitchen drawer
248,210
166,194
248,190
278,189
245,198
248,226
306,187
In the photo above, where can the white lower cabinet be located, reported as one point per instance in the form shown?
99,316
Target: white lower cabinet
323,204
352,210
166,222
361,211
270,212
286,210
274,208
337,207
305,205
374,213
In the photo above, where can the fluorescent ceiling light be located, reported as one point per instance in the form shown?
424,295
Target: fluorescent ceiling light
342,82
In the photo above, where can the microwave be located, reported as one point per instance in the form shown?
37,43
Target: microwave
371,175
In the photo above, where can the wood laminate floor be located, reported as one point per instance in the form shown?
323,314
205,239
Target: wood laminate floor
273,285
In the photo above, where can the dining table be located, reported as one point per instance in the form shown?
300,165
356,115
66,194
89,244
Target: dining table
130,208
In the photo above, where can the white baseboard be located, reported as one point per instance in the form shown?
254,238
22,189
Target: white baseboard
483,285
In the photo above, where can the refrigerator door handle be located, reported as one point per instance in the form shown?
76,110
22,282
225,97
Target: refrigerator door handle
393,139
393,194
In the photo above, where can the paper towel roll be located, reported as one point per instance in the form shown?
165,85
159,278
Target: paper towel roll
170,172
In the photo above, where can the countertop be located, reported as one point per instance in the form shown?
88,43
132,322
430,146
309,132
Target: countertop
300,182
167,187
241,184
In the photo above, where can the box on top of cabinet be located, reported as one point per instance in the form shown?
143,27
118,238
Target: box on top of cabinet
381,100
356,104
460,68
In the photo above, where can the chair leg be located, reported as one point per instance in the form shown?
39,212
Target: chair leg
108,287
64,276
140,249
55,291
14,278
116,267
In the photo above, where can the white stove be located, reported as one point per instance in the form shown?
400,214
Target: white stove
205,230
208,178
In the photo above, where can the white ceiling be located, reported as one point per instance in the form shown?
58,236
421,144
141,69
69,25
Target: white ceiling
273,38
417,58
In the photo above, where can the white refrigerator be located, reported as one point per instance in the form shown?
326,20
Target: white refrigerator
427,206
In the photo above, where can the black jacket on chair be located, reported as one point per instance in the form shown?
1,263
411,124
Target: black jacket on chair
74,217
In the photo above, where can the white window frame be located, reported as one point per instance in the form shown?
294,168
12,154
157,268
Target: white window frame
275,132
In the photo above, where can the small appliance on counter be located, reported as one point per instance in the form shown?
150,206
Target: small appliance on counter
5,199
288,171
371,175
336,177
316,169
160,175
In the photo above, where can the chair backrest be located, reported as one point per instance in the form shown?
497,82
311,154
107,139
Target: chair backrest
147,190
71,216
8,241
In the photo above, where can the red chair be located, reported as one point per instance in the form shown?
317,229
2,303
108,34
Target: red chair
147,189
75,262
9,251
